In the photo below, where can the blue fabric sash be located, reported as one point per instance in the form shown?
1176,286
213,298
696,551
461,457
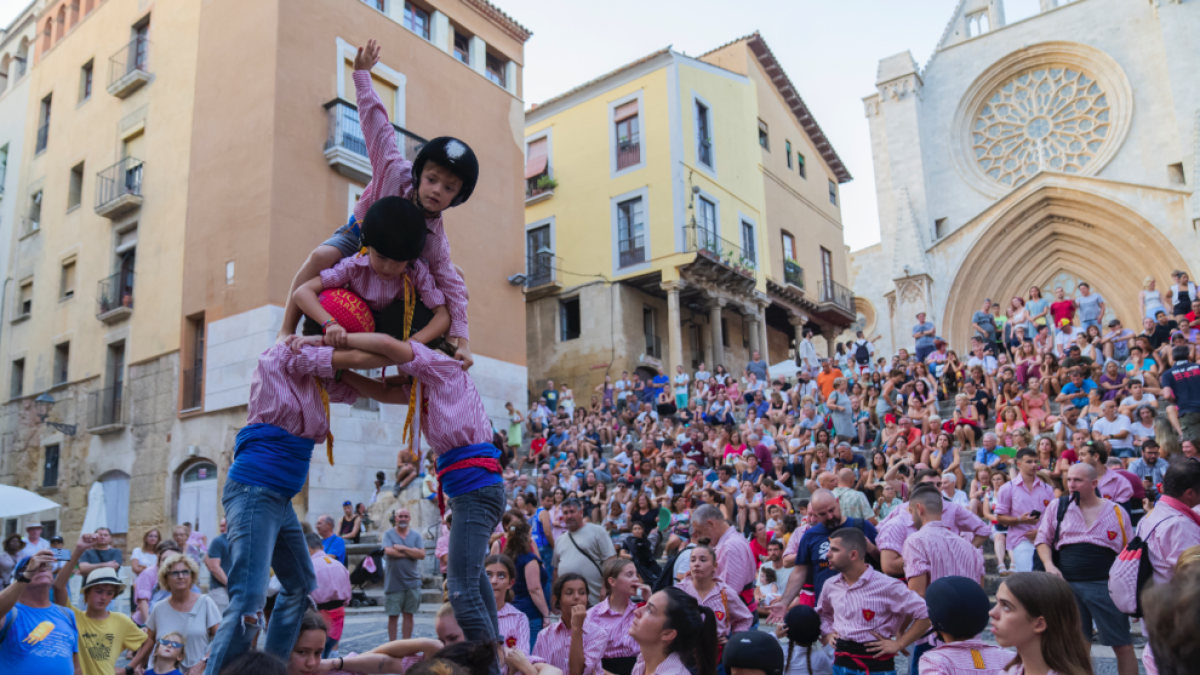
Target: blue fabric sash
462,481
267,456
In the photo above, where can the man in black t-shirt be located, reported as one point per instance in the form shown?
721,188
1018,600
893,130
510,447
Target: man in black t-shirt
1162,329
1181,384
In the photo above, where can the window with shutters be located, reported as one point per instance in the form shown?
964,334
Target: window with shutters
631,238
416,20
25,300
801,166
67,289
50,467
496,69
628,135
116,501
537,168
763,136
16,387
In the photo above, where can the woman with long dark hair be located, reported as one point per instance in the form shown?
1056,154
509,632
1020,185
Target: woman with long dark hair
1036,614
677,636
529,589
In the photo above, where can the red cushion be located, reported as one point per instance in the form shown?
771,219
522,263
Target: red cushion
349,310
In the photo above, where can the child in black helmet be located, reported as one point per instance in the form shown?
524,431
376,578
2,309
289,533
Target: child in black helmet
958,612
442,175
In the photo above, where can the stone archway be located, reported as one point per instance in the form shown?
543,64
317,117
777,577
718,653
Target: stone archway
1055,231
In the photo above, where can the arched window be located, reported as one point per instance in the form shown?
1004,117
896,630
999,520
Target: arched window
116,501
22,59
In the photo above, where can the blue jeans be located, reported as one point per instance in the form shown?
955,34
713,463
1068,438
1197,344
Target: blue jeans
917,651
475,516
842,670
263,533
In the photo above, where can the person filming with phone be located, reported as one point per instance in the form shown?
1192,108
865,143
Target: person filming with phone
1079,543
1019,505
36,636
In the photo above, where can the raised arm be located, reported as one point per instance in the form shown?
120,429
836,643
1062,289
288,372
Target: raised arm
85,542
391,173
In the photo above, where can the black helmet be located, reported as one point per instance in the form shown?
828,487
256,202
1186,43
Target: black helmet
958,606
456,156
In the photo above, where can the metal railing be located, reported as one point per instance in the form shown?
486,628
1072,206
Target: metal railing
345,131
832,291
539,270
115,292
131,57
43,137
712,246
628,154
122,178
793,273
704,151
654,346
107,406
531,186
193,387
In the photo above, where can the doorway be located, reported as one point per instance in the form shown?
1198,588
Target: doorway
198,499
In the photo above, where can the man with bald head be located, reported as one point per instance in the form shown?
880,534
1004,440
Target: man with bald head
812,568
853,503
1079,543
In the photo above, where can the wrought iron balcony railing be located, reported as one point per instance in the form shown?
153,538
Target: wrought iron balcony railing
629,153
115,293
793,273
833,292
129,68
712,246
539,270
108,407
121,180
345,131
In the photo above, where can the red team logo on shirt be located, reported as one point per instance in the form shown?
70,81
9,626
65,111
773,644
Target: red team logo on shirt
1112,535
511,641
720,615
868,614
1045,502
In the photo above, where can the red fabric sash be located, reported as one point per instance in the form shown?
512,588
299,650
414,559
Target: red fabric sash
487,463
1181,507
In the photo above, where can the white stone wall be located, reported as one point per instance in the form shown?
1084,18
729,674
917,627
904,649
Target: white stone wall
911,118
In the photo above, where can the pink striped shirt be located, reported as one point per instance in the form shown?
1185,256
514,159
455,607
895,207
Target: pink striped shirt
333,581
898,526
454,416
554,647
284,392
735,561
672,665
378,292
1113,486
391,176
876,603
938,552
613,625
732,614
974,657
1168,540
442,548
143,589
1019,669
1107,531
514,632
1015,500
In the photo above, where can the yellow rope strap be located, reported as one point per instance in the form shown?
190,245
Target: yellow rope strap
977,658
409,431
329,433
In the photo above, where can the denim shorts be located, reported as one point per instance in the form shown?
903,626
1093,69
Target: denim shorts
345,239
1124,453
1095,604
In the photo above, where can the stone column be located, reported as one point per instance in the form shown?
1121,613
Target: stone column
752,327
763,341
797,330
674,332
718,348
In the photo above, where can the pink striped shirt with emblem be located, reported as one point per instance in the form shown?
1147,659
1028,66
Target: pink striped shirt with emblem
378,292
455,416
333,581
732,614
391,176
672,665
616,629
898,526
938,552
554,647
974,657
1015,499
514,632
735,561
1113,486
1108,530
284,393
876,603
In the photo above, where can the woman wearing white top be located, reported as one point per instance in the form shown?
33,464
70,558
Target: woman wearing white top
681,388
145,556
1150,299
1182,295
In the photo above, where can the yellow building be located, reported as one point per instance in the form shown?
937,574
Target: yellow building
672,207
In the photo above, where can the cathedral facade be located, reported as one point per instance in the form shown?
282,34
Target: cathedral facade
1045,152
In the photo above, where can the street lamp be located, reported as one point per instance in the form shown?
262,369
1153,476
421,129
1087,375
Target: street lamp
42,405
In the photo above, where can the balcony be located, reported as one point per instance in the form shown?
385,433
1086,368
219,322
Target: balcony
718,261
193,387
793,273
540,277
346,148
539,188
115,298
127,69
832,293
119,188
108,410
629,153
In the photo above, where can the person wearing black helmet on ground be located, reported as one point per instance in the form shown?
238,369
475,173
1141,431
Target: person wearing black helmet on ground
443,175
958,612
753,652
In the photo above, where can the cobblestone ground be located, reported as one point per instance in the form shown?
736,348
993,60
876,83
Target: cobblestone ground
366,631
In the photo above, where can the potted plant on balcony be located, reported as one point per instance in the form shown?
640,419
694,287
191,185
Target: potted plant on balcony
545,183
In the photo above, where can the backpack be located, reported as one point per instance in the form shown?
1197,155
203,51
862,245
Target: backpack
667,578
1064,503
1130,573
862,353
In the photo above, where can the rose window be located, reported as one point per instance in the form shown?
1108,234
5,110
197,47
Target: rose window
1048,118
